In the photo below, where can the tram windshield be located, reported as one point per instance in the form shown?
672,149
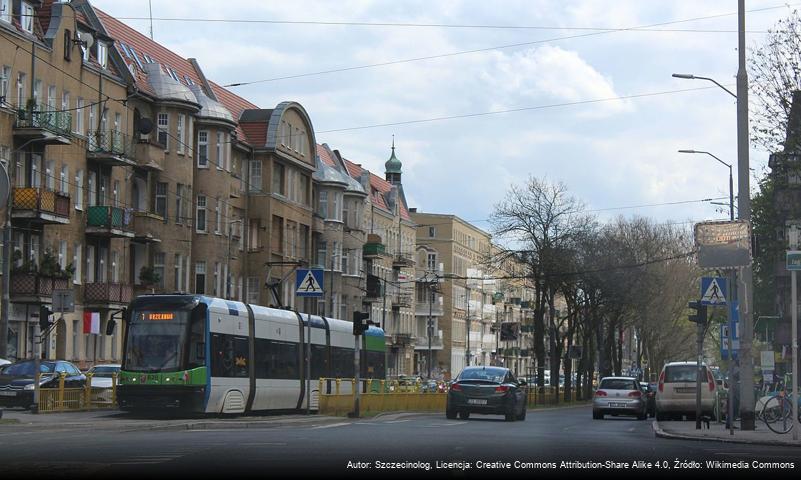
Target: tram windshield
157,340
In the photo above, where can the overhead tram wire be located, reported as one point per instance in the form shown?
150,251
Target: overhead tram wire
487,49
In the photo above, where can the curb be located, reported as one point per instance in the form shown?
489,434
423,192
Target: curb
660,432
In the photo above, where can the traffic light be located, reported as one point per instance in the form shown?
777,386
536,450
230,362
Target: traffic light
359,324
44,318
699,316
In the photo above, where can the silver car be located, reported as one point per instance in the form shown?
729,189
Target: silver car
102,375
619,396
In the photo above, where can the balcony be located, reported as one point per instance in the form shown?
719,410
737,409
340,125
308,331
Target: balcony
111,148
109,222
373,250
403,339
148,227
107,295
30,287
235,189
150,156
40,205
402,300
46,126
421,309
403,260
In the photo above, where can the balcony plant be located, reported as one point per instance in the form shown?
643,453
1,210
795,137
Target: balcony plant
52,269
27,265
148,276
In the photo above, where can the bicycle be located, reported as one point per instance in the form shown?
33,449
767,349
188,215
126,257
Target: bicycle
777,413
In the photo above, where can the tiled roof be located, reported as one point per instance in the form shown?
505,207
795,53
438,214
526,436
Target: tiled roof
183,68
255,133
325,155
379,189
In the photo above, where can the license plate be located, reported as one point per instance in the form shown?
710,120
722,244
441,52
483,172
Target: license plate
617,405
8,394
477,401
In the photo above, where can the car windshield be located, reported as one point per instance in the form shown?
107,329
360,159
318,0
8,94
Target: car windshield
682,373
28,369
486,374
104,371
618,384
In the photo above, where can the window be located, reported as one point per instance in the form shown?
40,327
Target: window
278,178
62,253
51,98
79,190
200,278
20,90
178,266
115,267
90,269
432,232
180,147
5,10
337,206
202,149
220,157
337,257
50,175
79,115
322,253
115,194
164,126
102,54
217,216
4,83
179,192
431,262
76,262
136,57
283,133
147,57
158,267
323,206
253,290
217,279
92,113
64,186
27,17
37,92
65,103
201,214
161,199
255,175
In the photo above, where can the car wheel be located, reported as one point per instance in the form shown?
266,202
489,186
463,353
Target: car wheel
643,415
450,414
510,417
522,415
597,415
464,415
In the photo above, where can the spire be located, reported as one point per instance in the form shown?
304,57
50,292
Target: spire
393,166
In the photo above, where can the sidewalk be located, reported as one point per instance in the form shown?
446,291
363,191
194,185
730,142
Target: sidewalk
718,432
17,419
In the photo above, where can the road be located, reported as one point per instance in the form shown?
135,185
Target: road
462,448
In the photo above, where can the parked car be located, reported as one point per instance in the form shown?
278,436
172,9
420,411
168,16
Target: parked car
102,374
619,396
4,363
676,390
17,380
490,390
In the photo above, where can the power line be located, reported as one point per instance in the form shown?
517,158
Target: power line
497,47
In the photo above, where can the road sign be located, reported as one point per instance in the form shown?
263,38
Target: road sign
309,282
794,260
723,244
713,291
63,301
724,333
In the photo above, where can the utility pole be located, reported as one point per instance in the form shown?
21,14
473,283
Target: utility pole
430,323
467,352
745,298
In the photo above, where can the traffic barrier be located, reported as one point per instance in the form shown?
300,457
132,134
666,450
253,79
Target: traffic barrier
63,399
337,397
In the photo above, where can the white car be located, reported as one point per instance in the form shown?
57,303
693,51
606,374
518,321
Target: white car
102,374
675,395
4,362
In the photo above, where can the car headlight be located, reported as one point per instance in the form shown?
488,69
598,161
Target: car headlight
28,386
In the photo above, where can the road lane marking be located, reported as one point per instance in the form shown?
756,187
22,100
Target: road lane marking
263,444
331,426
398,421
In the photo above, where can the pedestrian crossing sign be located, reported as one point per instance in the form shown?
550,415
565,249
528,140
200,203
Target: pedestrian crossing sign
713,291
309,282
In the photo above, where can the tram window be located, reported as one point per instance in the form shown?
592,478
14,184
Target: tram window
276,359
197,346
319,361
230,355
342,362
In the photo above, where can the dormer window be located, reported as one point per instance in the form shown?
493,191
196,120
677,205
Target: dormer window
102,54
5,10
27,17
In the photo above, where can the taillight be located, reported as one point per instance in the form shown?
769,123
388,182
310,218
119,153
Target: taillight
711,379
600,393
502,389
635,394
662,381
456,387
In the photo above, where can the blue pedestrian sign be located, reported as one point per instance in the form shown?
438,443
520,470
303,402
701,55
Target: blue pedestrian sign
724,333
713,291
309,282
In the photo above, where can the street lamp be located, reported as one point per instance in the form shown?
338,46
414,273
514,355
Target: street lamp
690,76
731,184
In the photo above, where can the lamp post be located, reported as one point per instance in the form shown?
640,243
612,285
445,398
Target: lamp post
467,320
731,181
690,76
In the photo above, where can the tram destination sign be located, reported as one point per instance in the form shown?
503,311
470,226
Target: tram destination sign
723,244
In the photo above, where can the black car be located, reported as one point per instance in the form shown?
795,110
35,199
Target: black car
491,390
17,380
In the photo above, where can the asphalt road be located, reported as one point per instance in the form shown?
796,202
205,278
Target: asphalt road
481,446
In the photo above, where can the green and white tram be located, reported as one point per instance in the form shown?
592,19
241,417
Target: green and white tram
208,355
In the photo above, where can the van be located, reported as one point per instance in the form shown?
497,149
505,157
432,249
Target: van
675,393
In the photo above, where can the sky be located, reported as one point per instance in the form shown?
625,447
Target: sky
550,74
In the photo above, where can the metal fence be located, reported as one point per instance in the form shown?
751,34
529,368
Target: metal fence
65,399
